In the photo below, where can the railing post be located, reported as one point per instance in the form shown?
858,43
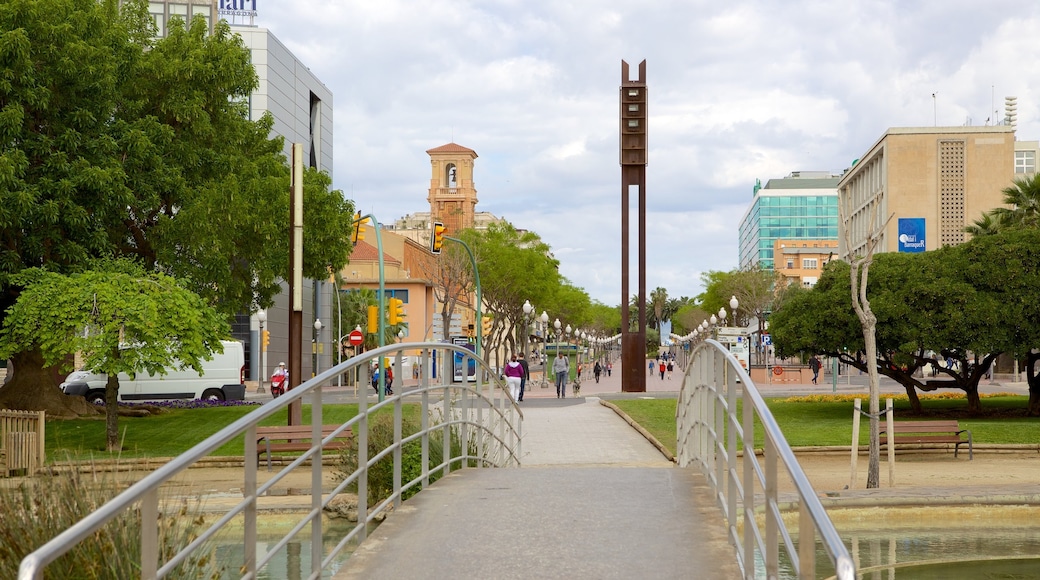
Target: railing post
772,555
150,534
249,492
398,435
362,453
748,472
424,419
317,421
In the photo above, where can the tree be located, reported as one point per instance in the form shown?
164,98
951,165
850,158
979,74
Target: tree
859,272
146,151
514,266
119,318
1023,197
655,307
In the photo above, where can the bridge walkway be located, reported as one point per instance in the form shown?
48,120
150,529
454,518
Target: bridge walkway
594,499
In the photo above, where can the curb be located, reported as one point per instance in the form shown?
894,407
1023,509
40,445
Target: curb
653,440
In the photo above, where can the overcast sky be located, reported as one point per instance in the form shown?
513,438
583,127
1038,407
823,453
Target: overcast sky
738,90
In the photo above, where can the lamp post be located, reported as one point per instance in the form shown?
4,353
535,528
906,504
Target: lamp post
545,342
528,309
317,341
261,317
556,325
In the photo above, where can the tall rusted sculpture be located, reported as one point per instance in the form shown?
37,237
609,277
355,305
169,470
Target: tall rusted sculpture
633,179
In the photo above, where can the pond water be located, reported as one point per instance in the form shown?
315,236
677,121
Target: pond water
292,561
946,543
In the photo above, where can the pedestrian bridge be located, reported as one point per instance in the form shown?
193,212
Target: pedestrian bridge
546,488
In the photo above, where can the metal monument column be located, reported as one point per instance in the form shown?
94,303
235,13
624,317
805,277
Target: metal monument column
633,175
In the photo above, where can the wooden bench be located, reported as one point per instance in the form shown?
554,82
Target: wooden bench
927,432
296,438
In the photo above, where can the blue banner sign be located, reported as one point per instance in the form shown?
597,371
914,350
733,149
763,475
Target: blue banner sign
911,235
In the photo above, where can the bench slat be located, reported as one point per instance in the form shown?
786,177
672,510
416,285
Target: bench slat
915,432
297,438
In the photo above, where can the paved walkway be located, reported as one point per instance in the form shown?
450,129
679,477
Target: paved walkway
593,499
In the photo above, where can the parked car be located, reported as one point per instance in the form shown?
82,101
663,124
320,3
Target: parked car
222,379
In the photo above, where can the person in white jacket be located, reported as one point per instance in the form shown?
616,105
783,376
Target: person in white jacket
514,372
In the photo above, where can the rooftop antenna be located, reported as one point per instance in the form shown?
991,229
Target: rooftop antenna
935,115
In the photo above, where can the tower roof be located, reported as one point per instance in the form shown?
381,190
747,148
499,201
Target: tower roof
451,148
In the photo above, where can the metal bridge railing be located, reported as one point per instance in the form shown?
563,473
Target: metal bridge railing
479,416
708,431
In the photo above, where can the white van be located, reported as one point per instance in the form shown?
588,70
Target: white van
223,379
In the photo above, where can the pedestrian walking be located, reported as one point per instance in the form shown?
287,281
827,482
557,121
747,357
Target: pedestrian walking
514,372
650,368
560,368
814,366
610,367
671,366
527,374
596,370
661,367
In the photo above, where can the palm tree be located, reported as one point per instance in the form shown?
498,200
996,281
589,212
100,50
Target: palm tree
987,225
657,303
1024,200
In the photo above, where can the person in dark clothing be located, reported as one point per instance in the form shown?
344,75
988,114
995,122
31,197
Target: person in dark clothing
525,376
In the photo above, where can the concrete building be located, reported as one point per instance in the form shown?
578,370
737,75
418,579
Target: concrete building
931,181
801,206
801,262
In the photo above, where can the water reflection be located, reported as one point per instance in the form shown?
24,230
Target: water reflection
931,543
292,562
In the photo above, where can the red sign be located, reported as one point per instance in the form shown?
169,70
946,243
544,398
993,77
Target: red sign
356,338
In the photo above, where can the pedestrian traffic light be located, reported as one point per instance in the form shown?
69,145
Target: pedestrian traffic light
373,319
265,338
396,311
437,240
485,326
359,227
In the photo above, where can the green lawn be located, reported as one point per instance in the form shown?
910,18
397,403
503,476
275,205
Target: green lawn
821,422
166,435
804,421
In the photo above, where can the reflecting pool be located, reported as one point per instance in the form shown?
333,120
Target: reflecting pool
926,543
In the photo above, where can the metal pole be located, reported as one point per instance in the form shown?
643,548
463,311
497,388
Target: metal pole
476,279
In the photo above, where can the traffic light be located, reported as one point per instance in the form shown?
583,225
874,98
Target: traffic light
373,319
485,326
469,331
437,240
397,314
265,338
359,227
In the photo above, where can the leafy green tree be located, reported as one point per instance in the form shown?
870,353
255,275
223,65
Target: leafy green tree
145,151
514,266
120,319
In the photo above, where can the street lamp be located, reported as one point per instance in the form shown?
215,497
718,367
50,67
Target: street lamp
528,310
261,317
317,341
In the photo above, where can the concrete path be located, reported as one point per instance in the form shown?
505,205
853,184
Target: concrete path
593,499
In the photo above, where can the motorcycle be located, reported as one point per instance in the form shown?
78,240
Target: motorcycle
278,385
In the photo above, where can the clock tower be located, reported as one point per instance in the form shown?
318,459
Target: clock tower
453,199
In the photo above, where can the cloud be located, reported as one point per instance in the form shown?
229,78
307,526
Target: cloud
739,91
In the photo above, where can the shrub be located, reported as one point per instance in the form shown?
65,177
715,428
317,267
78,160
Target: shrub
381,473
41,507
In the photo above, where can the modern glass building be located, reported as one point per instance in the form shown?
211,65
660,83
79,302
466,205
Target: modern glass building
801,206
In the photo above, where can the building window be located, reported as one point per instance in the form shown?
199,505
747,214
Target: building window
790,263
402,295
809,263
158,12
1025,161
